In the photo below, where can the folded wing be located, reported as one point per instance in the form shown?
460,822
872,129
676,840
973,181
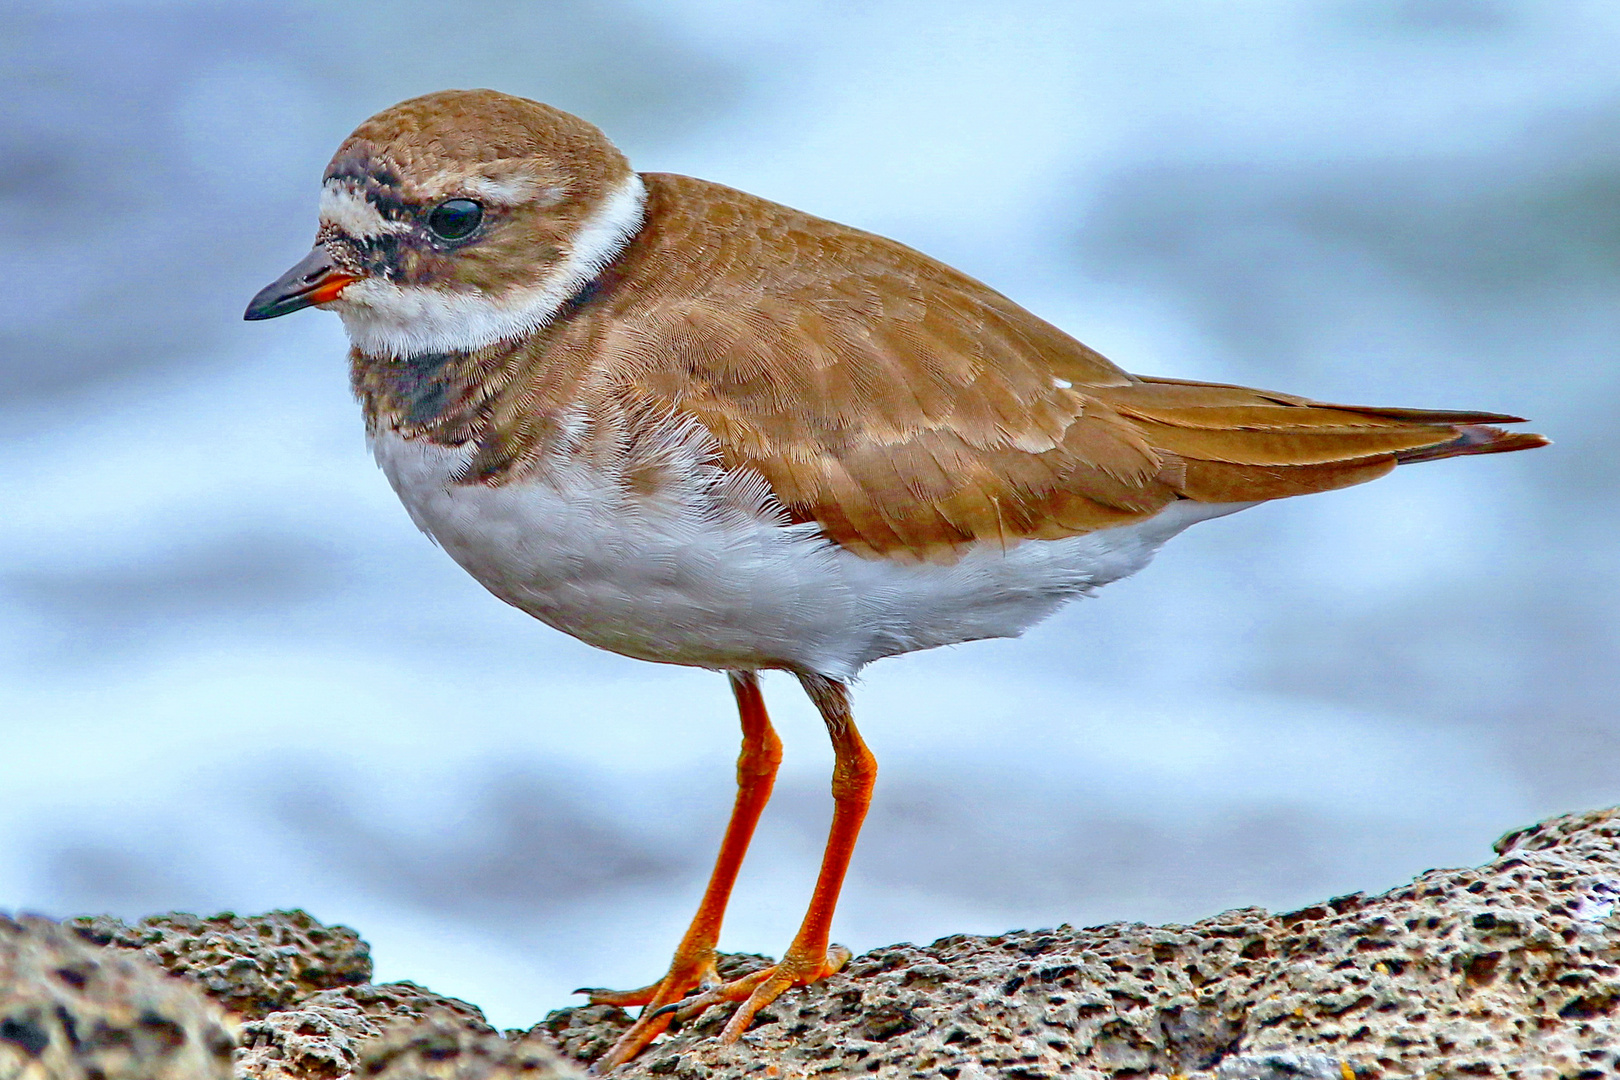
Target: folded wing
909,410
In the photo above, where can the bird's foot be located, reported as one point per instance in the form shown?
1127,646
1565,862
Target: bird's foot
665,1004
758,989
687,972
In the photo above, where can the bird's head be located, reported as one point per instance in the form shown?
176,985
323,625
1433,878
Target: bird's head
455,220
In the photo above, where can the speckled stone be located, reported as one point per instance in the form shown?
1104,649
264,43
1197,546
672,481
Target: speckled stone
253,965
1508,970
301,987
325,1033
441,1050
70,1011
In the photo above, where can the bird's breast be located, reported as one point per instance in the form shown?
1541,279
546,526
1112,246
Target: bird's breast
684,572
701,570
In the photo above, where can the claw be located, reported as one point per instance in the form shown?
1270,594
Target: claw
624,999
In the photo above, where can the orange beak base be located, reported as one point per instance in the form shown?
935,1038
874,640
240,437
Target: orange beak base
315,280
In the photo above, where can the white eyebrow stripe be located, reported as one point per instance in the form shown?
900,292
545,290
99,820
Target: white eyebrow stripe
507,190
384,319
350,211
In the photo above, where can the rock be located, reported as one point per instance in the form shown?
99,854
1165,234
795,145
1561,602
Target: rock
322,1036
1282,1066
301,987
70,1011
252,965
584,1032
1508,970
437,1050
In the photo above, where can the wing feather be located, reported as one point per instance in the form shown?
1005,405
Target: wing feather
909,410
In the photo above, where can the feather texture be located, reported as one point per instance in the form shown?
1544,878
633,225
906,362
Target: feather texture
906,409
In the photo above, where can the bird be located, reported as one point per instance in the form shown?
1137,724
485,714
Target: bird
692,426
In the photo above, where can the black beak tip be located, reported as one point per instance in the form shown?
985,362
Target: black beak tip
276,300
298,288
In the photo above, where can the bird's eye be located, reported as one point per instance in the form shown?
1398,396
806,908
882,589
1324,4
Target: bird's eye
455,219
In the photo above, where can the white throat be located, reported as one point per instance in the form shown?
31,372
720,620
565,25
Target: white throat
385,319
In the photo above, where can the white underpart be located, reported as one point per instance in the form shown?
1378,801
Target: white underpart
689,578
384,319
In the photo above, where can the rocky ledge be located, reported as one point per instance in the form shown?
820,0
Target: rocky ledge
1508,970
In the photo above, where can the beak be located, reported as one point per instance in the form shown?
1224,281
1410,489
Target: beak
315,280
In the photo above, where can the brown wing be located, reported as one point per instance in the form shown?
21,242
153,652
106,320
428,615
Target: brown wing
1238,444
910,410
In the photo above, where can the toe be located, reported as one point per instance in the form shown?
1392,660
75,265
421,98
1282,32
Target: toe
624,999
791,972
735,990
766,992
657,1001
664,1004
632,1042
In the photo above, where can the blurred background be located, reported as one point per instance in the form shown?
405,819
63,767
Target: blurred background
233,675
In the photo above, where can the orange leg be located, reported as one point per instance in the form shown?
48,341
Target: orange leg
694,962
808,958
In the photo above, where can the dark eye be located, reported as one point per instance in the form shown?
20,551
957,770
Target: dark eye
455,219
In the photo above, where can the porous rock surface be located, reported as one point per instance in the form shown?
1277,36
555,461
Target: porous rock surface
302,989
440,1050
1508,970
252,965
323,1036
71,1011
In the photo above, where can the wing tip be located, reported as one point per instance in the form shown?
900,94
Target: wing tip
1476,439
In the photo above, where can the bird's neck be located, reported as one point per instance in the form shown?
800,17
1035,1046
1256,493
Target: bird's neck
510,400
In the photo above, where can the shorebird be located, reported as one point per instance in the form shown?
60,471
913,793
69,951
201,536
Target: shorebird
690,425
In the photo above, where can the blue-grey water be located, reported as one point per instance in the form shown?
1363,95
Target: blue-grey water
232,675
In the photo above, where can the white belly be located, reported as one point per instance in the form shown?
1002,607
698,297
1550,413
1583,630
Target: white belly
684,580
